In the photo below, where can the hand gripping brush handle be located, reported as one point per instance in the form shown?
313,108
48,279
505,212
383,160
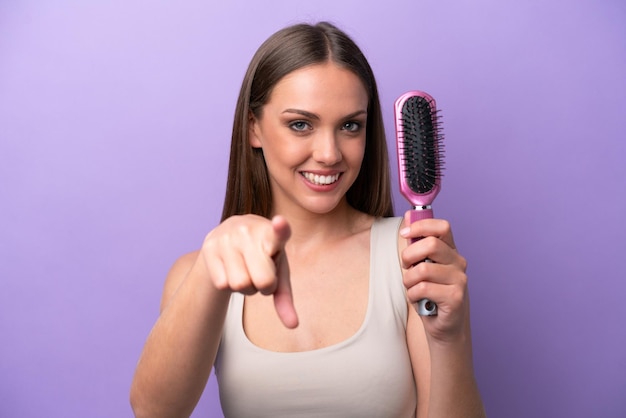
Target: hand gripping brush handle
420,154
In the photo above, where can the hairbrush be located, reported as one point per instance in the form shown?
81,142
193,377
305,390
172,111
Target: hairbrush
420,157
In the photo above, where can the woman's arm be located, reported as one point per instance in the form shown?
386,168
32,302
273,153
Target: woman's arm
179,353
444,375
440,346
243,254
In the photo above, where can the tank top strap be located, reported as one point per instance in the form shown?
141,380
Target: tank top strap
387,287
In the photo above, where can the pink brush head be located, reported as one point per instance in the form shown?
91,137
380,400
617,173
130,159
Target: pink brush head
420,148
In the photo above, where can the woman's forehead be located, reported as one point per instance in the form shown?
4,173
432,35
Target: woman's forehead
320,87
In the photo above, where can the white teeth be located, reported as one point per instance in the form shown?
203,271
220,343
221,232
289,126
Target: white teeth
321,180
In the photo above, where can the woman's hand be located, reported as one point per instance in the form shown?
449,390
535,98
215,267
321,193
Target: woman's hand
443,281
246,254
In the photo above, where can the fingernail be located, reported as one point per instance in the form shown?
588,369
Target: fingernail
405,231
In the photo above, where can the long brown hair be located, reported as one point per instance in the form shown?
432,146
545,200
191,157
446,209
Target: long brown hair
248,187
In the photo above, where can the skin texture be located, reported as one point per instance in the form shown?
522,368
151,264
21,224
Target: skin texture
296,268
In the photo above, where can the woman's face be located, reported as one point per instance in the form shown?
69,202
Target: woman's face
312,132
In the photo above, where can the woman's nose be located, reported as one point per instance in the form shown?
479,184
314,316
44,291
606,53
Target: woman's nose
326,149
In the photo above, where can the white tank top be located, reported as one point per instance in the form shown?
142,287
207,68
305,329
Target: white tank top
366,375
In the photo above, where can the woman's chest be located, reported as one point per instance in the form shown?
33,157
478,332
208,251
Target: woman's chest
331,299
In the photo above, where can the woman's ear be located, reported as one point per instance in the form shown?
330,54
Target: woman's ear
253,132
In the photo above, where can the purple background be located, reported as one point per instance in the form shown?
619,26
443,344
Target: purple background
114,131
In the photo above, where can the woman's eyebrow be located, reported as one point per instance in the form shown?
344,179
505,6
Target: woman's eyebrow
303,113
355,114
316,117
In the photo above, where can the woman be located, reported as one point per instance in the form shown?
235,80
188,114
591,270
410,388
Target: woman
302,297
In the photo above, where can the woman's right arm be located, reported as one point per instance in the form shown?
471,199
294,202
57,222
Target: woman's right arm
243,254
179,353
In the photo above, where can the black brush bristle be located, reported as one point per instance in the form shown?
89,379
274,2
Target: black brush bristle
422,143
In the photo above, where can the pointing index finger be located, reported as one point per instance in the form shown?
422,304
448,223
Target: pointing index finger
283,298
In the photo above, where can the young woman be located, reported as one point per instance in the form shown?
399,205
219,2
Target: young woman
302,297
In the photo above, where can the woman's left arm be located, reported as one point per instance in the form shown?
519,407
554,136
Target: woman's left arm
440,346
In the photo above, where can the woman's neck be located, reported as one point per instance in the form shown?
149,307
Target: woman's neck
313,229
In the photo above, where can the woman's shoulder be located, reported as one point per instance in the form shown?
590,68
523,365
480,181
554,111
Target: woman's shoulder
177,274
389,221
391,227
185,261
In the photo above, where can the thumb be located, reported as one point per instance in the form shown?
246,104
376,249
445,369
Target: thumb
276,238
282,230
283,297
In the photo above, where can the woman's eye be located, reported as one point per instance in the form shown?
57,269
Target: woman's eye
351,126
299,125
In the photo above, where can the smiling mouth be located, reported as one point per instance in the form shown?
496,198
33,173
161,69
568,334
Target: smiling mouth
321,180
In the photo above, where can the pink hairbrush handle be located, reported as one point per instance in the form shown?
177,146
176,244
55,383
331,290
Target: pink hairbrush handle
421,212
424,307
